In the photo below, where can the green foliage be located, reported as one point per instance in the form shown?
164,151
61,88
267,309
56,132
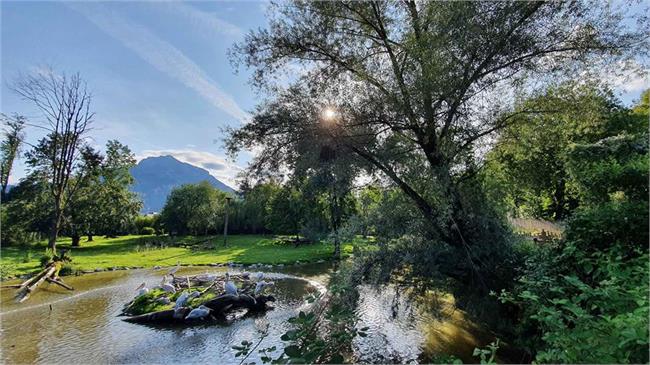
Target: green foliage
587,299
146,303
147,230
12,138
487,355
285,211
308,344
68,269
194,209
531,162
6,270
46,258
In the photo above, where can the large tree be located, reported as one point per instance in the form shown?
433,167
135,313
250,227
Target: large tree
64,101
530,155
104,204
417,86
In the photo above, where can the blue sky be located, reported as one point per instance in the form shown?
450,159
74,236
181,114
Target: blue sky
159,71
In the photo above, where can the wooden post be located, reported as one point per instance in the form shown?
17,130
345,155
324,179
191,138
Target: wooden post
225,225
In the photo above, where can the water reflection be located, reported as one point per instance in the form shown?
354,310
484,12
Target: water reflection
403,330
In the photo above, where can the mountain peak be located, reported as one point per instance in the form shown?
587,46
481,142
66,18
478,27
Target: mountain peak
155,177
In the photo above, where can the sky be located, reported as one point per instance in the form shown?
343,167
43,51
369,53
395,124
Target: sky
159,72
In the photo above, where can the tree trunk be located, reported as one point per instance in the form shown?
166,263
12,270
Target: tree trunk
559,200
75,240
54,231
90,238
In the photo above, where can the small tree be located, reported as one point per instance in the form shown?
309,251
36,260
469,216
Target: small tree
13,137
285,212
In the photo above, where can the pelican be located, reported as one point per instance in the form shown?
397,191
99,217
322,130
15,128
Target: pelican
163,300
259,276
198,313
174,269
181,300
228,286
168,287
261,285
142,289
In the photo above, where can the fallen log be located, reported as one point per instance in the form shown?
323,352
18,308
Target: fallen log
58,281
25,292
161,317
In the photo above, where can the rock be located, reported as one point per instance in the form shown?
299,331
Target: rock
157,267
214,264
320,261
99,269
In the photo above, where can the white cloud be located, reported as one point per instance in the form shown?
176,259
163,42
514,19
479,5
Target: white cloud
217,166
206,23
161,55
627,77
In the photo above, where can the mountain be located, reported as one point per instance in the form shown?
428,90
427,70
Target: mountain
155,177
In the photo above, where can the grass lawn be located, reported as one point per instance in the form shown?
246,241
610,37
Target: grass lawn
145,251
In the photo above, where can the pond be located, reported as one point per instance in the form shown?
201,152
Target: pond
58,326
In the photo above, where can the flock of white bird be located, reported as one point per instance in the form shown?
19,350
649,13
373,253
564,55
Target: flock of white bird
201,311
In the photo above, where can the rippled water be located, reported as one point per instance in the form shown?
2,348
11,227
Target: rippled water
84,327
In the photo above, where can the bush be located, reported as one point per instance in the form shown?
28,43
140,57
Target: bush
5,270
67,269
145,221
585,308
47,258
147,230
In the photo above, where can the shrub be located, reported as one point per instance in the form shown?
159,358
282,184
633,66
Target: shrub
47,258
147,230
67,269
5,270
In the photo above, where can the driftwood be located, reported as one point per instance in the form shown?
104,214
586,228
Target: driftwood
30,285
58,281
49,273
219,306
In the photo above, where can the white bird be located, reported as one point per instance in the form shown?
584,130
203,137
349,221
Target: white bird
229,287
259,276
181,300
261,285
198,313
184,298
142,289
166,286
163,300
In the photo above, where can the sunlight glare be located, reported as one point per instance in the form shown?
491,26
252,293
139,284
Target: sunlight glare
329,114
